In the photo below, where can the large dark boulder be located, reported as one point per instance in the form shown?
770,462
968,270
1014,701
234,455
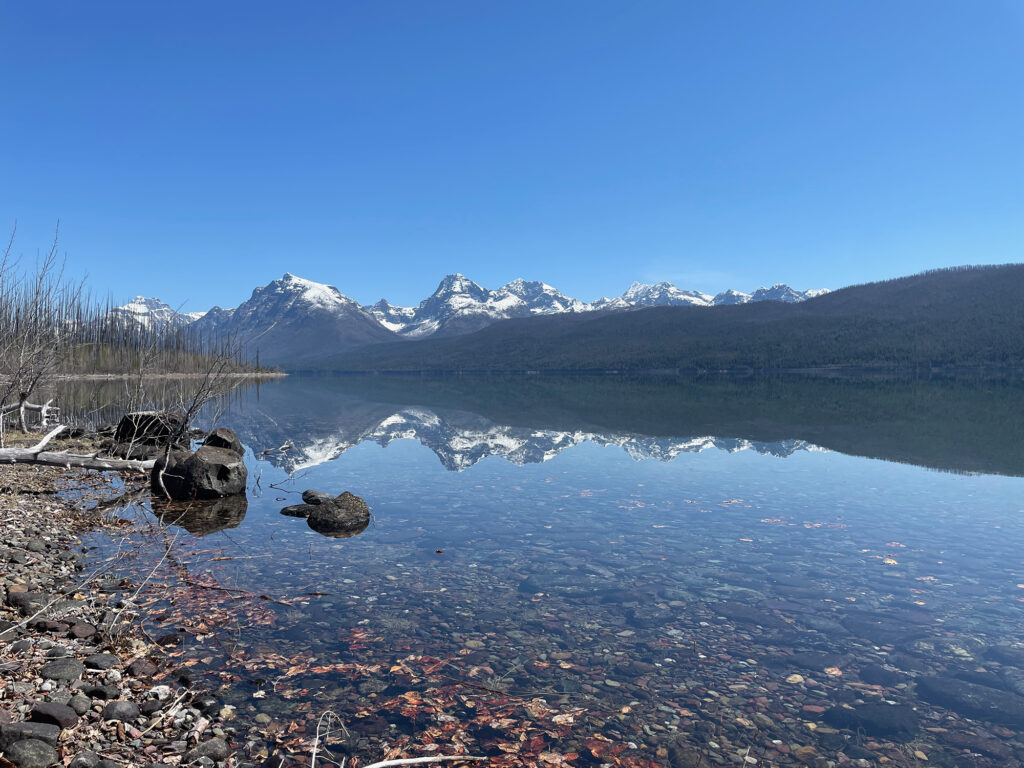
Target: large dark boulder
225,438
142,434
337,517
209,473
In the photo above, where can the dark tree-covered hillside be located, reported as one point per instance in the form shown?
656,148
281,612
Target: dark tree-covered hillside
966,316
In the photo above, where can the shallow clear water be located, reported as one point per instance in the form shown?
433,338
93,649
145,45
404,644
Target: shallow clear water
550,581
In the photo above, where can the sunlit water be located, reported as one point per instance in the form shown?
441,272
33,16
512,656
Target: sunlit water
629,593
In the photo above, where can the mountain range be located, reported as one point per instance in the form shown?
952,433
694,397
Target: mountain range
294,322
958,317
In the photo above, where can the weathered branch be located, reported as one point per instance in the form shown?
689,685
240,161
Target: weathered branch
44,408
36,455
420,760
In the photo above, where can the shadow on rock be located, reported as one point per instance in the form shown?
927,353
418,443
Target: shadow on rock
201,518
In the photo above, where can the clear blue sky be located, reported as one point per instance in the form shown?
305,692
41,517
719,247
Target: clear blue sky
195,150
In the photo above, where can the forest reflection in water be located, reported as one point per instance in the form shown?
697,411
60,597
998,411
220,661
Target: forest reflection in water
961,425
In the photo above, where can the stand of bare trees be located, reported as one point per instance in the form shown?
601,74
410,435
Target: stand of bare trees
49,326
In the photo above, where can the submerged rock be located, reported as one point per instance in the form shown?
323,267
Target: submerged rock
338,517
898,722
973,700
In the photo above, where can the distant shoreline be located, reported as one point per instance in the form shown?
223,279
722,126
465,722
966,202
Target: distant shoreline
852,370
119,376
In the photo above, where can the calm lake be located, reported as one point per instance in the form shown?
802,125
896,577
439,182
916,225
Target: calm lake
663,571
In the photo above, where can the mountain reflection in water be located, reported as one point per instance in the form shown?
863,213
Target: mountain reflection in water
947,424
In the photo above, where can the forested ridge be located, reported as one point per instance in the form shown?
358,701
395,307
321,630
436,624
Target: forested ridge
965,316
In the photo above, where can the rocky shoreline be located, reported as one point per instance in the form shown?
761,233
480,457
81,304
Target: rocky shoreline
82,686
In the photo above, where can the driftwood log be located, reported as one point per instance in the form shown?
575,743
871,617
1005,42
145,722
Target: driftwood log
46,411
36,455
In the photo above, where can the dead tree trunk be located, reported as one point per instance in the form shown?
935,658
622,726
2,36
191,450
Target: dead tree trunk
36,455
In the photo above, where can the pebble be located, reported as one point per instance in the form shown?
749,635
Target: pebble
126,711
56,714
66,669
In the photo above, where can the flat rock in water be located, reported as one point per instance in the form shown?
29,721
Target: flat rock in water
886,721
31,753
973,700
316,497
66,669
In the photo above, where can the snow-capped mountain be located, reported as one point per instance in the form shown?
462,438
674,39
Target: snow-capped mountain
153,313
461,306
293,321
778,292
664,295
730,297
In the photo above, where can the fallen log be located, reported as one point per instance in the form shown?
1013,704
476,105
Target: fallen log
36,455
46,411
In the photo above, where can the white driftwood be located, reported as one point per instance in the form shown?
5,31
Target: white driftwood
36,455
11,407
420,760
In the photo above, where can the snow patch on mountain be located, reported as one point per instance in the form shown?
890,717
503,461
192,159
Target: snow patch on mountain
460,305
153,313
664,294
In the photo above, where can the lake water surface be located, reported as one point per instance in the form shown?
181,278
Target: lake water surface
608,571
